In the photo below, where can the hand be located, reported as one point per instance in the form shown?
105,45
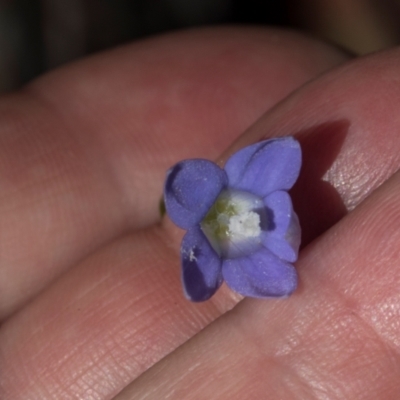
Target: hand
90,290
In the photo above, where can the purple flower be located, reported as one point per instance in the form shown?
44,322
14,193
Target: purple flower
241,227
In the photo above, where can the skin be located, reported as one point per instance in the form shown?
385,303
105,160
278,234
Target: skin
90,297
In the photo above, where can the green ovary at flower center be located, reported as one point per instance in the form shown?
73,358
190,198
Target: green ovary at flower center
217,219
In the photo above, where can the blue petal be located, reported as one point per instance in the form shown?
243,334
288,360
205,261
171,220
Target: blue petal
261,274
283,233
191,188
281,247
279,211
265,167
293,234
201,266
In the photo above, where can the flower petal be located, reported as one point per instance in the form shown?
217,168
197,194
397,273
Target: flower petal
280,247
261,274
266,166
283,232
279,211
201,266
293,234
191,188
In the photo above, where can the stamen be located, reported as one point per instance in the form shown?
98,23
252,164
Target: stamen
246,224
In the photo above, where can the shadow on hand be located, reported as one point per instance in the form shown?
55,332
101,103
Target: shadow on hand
316,201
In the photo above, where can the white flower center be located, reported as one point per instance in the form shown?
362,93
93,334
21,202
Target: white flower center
246,224
233,225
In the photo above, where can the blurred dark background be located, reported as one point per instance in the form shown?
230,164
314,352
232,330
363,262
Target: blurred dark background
36,35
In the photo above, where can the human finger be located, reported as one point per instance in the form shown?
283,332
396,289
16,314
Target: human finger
336,337
114,297
84,149
344,143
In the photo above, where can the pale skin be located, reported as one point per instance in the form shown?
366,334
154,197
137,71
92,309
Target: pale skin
90,295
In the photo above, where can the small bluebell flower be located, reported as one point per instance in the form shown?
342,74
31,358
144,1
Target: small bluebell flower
241,227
